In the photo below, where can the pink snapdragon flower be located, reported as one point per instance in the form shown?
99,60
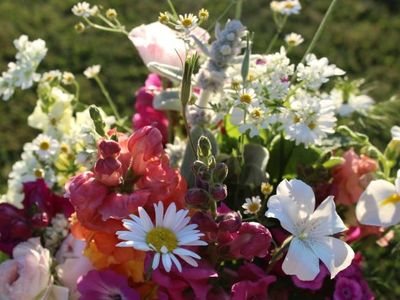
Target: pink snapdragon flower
348,177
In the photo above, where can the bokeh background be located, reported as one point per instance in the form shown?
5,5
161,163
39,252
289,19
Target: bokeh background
362,38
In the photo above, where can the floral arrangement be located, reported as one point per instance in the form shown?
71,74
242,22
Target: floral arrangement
239,176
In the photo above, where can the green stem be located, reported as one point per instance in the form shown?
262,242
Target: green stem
108,97
77,91
171,6
275,37
319,30
227,9
238,10
109,29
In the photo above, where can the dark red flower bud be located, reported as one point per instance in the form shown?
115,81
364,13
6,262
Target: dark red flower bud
230,222
107,166
196,197
205,222
220,172
219,192
109,148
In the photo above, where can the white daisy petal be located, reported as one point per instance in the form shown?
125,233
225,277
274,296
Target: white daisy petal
166,260
156,261
176,262
159,209
169,217
181,251
189,260
145,219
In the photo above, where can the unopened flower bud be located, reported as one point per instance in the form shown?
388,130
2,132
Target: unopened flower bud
220,172
80,27
203,147
202,184
197,198
392,151
266,188
199,167
204,222
111,14
219,192
230,222
109,148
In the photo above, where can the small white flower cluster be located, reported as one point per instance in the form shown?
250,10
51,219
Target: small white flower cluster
57,232
22,73
83,9
287,7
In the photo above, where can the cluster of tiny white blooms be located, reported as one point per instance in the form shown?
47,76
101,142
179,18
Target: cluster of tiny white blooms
175,152
83,9
167,237
22,73
252,205
57,232
316,72
287,7
223,51
353,103
293,39
187,22
92,71
51,75
308,119
45,147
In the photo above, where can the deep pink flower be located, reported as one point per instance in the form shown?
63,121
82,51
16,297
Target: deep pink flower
347,289
14,227
316,283
105,285
191,283
347,177
146,114
253,283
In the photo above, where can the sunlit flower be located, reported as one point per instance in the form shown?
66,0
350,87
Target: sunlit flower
68,78
312,231
203,14
252,205
287,7
395,131
353,103
83,9
166,238
252,119
246,97
92,71
293,39
187,22
379,205
45,146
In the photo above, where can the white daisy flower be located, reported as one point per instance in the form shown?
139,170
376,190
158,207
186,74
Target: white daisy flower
246,97
167,237
287,7
252,205
312,230
293,39
253,118
92,71
187,22
316,71
45,146
83,9
354,103
379,204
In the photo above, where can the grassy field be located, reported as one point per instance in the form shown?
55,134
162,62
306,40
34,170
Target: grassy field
362,38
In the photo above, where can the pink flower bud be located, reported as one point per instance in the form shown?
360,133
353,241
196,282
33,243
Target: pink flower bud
196,197
106,166
230,222
204,221
219,192
109,148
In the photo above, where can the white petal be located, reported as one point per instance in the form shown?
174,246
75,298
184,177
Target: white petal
170,214
304,197
145,219
197,243
185,252
284,209
301,261
325,220
334,253
130,236
176,262
189,260
237,116
159,210
156,261
133,226
370,210
166,260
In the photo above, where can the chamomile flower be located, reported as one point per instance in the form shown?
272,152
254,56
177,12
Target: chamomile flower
45,147
167,237
252,119
83,9
68,78
353,103
187,22
92,71
293,39
247,97
252,205
287,7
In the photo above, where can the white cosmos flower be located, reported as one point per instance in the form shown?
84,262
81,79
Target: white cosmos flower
92,71
395,131
166,238
252,205
379,204
293,205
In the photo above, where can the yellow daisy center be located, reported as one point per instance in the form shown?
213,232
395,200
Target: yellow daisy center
312,125
186,22
64,148
256,113
161,236
39,173
44,145
245,98
289,5
392,199
296,119
253,207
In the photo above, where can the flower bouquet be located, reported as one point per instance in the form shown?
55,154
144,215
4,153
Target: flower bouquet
242,177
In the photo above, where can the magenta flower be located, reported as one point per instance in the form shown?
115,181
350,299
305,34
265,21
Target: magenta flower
105,285
347,289
146,114
316,283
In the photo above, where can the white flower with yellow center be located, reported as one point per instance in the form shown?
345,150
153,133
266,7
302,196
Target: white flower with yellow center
45,147
187,22
252,205
379,204
252,119
92,71
293,39
246,97
312,230
83,9
167,237
287,7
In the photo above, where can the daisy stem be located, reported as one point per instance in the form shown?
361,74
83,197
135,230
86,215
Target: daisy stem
238,10
171,6
278,32
318,33
108,97
227,9
278,254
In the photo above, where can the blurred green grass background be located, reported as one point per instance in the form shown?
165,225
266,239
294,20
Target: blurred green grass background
362,38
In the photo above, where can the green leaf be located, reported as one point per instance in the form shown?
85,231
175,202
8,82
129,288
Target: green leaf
256,155
333,161
170,72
